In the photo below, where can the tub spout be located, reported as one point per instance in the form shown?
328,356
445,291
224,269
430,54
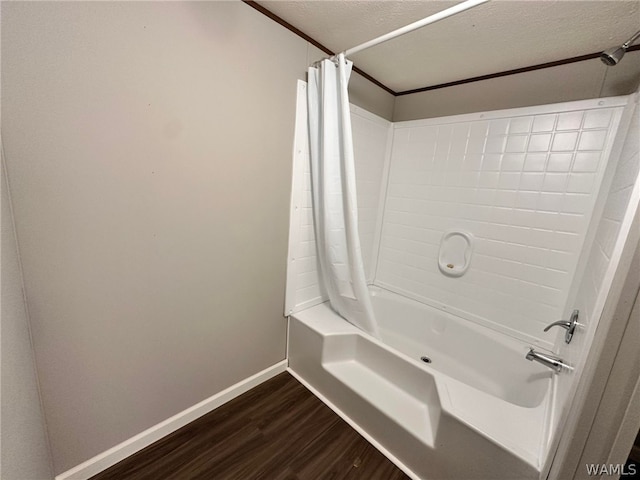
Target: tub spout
554,363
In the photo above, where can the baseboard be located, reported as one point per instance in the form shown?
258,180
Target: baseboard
101,462
355,426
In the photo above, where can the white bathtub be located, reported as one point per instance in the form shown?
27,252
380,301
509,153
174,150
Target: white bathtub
477,411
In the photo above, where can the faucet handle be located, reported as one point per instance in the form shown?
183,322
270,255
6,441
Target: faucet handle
569,326
560,323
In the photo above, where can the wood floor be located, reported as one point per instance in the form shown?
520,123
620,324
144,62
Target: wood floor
276,431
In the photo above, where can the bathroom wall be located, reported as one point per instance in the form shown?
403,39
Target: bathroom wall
601,260
371,138
523,182
25,449
148,148
564,83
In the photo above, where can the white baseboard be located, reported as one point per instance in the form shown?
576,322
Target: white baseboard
356,427
106,459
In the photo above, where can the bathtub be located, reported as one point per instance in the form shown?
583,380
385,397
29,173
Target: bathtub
477,410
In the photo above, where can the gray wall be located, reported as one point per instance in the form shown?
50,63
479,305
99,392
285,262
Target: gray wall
148,147
25,451
565,83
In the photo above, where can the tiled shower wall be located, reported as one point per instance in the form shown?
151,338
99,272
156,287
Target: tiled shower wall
602,257
523,182
371,135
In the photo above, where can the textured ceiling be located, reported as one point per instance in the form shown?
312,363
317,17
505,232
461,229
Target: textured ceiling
494,37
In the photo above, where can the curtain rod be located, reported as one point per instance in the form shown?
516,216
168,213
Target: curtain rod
461,7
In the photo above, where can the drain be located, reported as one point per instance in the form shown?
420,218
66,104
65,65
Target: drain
425,359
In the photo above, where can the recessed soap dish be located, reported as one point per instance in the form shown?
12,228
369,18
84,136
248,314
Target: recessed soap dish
455,252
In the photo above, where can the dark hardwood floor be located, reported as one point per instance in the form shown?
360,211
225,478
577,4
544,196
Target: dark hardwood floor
276,431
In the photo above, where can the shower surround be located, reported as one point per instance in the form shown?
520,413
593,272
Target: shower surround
529,185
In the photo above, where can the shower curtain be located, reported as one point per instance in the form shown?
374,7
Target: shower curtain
335,207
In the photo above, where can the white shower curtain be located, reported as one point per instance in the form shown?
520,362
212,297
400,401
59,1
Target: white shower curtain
335,207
